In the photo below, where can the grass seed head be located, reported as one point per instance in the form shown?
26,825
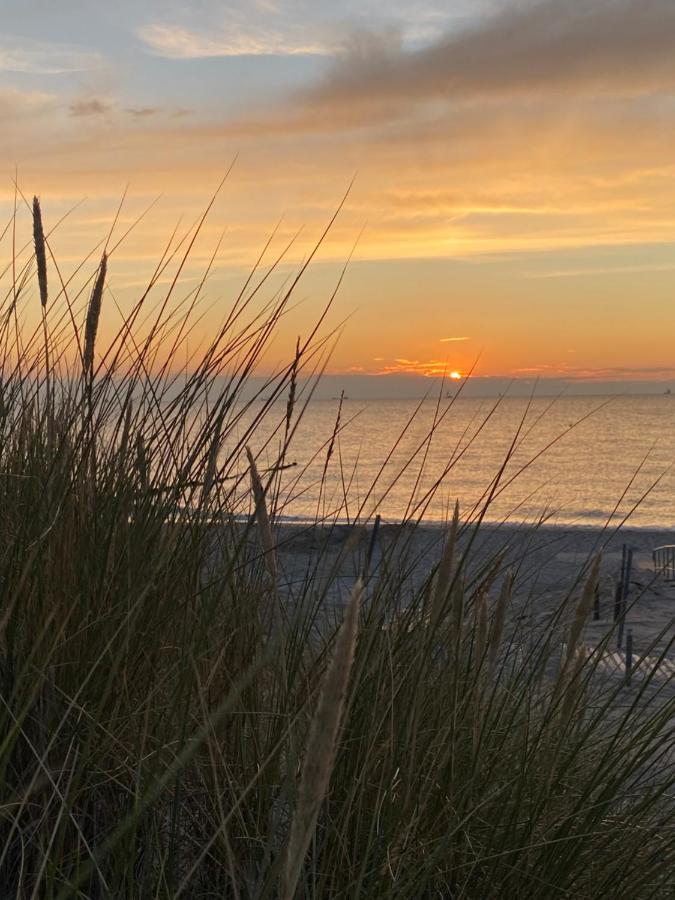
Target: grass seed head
583,609
40,254
499,619
290,405
93,316
323,737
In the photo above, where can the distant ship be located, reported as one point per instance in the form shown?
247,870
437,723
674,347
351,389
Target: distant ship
668,391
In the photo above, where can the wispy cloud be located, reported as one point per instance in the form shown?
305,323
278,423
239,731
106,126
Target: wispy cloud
12,100
452,340
177,42
603,271
300,27
143,112
110,107
590,373
41,58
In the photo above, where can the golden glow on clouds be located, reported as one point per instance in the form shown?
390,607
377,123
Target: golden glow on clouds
430,368
515,185
176,42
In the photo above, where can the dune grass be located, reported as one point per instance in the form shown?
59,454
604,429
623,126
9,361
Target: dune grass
171,726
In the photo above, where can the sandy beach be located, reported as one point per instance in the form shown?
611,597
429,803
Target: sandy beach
550,563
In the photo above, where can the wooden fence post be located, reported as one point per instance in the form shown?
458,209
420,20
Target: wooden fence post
622,592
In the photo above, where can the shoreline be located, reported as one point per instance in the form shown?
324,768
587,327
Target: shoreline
283,521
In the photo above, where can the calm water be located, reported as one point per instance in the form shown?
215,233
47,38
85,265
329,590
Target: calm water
613,455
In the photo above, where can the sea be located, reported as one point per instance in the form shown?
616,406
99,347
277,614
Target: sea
573,461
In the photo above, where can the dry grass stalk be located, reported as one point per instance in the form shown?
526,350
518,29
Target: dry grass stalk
331,444
493,572
212,464
499,619
124,440
446,568
573,685
481,615
336,429
40,253
93,316
262,518
583,610
126,430
480,648
142,466
322,742
290,405
457,607
574,656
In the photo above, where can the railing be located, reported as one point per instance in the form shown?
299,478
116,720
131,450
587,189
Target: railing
664,561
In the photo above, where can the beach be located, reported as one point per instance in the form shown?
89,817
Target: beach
550,563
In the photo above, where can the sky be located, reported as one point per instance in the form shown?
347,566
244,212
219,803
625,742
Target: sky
512,200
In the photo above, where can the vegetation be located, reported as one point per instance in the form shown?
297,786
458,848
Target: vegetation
172,726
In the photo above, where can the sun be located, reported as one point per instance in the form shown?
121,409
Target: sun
456,375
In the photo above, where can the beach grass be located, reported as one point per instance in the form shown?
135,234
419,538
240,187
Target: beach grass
173,723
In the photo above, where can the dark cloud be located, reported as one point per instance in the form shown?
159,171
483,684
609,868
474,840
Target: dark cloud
94,107
615,46
143,112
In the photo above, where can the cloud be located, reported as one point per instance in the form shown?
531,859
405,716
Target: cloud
23,104
577,70
451,340
40,58
428,368
590,373
600,45
603,271
459,178
93,107
177,42
144,112
302,27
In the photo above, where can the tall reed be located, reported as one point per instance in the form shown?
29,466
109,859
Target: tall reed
40,252
93,316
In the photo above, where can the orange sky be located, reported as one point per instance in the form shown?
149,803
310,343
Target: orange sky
514,190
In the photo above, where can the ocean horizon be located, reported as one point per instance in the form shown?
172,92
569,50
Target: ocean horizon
573,461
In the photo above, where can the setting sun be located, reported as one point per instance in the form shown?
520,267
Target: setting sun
456,375
561,233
